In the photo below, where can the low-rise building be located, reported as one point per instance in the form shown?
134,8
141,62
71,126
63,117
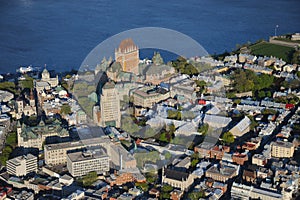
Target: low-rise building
22,165
241,128
240,191
221,172
259,160
147,96
249,175
177,179
239,158
216,121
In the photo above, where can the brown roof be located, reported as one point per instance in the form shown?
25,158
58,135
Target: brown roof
127,44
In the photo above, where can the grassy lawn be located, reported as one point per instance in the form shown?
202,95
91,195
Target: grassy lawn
267,49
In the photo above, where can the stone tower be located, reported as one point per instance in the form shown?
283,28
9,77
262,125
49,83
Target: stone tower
128,56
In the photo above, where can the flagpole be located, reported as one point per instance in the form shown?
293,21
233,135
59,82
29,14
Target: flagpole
276,30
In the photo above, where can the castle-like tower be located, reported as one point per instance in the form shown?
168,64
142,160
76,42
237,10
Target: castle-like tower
128,56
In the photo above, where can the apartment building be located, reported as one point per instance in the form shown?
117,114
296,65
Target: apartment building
281,149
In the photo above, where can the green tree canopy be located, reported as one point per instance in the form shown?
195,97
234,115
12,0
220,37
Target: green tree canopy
166,188
8,86
296,57
247,80
203,128
174,114
65,109
143,186
184,67
196,195
228,138
27,83
88,179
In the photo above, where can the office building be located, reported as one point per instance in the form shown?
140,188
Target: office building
22,165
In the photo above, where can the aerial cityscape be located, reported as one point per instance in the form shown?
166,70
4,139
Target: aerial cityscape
173,121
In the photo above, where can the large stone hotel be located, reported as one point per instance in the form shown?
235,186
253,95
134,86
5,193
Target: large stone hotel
128,56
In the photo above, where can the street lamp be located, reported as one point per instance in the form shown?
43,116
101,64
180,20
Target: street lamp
277,26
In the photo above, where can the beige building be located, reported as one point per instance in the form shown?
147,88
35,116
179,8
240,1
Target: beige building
177,179
110,106
46,81
221,173
258,159
82,162
128,56
146,97
56,154
120,157
241,128
25,106
34,137
22,165
282,149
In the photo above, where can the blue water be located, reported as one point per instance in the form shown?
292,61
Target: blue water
61,33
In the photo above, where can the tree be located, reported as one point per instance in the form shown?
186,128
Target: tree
237,101
196,195
182,66
261,94
143,186
5,154
172,128
247,80
168,155
27,83
243,80
296,57
8,86
88,179
166,188
174,114
194,159
194,162
228,138
65,109
11,139
203,128
253,124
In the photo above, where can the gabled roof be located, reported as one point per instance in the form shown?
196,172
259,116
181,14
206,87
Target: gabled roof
175,175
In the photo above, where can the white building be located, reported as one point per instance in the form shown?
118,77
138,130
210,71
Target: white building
240,191
81,163
22,165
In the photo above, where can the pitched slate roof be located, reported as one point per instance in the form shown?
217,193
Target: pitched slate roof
175,175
